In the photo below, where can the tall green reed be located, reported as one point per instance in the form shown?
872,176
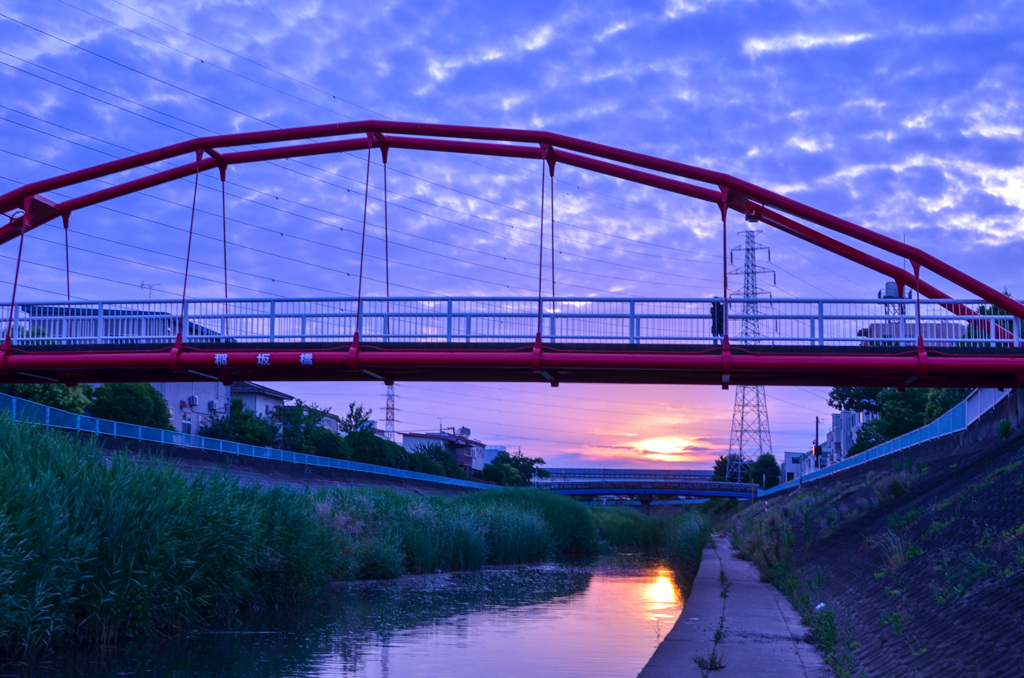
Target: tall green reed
686,535
95,548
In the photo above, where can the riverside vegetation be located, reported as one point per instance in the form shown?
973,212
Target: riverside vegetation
681,538
882,565
95,549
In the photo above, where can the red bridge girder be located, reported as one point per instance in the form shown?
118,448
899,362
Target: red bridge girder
525,364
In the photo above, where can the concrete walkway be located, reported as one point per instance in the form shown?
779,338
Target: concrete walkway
763,634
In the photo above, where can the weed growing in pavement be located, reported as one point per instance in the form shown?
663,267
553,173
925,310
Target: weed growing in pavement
725,584
713,662
1005,429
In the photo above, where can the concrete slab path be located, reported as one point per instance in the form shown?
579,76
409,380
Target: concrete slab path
763,634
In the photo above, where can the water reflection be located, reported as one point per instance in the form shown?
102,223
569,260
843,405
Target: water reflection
552,620
662,596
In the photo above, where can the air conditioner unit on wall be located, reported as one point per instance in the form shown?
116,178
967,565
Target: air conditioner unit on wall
193,400
212,405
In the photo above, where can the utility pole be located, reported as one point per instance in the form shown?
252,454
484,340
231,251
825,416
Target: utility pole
389,415
750,436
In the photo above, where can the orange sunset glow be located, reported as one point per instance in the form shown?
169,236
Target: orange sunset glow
671,448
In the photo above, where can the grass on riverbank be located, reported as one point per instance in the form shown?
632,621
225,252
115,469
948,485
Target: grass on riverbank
682,537
96,549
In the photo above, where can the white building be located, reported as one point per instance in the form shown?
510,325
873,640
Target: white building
796,464
260,399
842,437
191,404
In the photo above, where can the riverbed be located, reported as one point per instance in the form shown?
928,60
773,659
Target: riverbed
601,620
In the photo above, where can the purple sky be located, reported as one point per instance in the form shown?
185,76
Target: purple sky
903,117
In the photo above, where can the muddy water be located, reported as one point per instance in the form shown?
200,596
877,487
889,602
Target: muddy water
602,620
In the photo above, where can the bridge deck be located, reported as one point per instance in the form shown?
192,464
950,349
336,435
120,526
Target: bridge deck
805,342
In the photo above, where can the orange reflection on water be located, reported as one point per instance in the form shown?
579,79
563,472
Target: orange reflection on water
662,596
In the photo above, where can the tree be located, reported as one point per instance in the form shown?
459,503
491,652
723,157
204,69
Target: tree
855,398
367,447
941,400
526,466
133,404
76,400
897,412
357,418
242,425
983,328
441,456
503,474
721,468
765,471
421,463
302,429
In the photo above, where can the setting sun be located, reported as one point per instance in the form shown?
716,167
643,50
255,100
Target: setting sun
665,449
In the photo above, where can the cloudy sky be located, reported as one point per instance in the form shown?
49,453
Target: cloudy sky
903,117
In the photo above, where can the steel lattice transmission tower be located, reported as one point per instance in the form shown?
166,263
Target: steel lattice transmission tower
389,415
751,436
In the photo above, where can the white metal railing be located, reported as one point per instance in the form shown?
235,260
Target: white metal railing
959,418
782,322
43,415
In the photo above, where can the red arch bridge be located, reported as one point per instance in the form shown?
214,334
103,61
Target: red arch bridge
930,339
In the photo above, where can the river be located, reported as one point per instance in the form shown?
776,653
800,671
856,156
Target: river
602,620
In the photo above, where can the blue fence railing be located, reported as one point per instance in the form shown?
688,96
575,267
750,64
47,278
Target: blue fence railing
35,413
953,421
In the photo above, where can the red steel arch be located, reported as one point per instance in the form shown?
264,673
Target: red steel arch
728,193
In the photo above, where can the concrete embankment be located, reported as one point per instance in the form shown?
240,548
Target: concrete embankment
267,472
732,616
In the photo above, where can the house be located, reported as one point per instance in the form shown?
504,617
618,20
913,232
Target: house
332,423
329,421
468,453
796,464
191,404
262,400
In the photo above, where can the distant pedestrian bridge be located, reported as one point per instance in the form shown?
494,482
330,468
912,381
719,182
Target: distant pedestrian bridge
645,484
